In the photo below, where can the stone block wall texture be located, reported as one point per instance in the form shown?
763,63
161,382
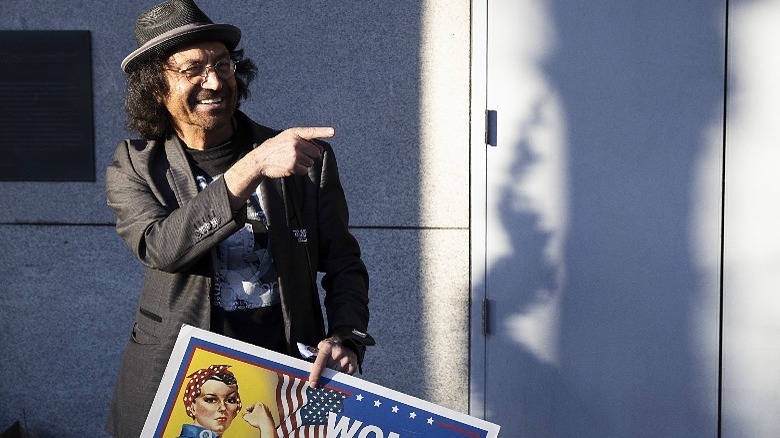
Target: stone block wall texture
391,77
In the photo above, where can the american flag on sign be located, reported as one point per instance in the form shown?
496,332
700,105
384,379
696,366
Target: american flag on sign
303,410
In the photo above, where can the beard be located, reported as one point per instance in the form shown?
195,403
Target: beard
213,109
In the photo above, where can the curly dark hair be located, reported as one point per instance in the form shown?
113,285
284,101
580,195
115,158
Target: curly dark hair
149,117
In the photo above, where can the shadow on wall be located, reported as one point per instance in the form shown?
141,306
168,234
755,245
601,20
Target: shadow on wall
639,85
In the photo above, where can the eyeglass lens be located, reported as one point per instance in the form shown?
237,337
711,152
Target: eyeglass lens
223,69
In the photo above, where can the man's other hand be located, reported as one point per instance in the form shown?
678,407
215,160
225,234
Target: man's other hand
334,355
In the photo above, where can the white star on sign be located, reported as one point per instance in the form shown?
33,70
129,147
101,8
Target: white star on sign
359,397
412,415
395,409
430,420
377,403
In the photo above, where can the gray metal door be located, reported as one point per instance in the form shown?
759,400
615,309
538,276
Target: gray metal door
596,217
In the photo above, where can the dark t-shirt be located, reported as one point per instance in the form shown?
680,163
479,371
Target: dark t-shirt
245,293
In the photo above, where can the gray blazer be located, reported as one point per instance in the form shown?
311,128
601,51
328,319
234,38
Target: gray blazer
172,228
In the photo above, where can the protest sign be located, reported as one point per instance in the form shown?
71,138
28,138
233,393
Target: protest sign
342,406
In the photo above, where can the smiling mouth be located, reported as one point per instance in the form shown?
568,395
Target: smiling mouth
215,101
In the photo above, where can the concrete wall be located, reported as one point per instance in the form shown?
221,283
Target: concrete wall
751,279
392,77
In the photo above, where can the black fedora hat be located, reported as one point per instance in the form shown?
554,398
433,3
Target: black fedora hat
172,24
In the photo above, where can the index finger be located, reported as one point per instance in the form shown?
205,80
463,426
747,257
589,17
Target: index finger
314,132
317,368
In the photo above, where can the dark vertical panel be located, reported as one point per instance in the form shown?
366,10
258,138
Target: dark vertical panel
46,129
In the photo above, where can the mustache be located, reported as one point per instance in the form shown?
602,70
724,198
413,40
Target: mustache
208,94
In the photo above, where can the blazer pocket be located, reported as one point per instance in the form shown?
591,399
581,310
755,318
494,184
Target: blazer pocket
153,316
144,337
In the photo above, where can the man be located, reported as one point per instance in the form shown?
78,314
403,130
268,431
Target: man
231,219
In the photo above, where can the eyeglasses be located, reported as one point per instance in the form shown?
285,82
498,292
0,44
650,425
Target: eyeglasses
200,73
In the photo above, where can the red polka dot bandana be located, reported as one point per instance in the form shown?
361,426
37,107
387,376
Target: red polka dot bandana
198,378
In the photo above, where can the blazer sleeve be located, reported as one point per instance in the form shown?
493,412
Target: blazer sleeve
166,228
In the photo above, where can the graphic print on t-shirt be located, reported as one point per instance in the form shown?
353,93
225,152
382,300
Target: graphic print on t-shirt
244,274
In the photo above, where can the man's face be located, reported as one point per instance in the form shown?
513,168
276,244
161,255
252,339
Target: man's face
207,105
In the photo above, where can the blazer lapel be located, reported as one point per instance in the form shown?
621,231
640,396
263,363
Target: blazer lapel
180,176
273,202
